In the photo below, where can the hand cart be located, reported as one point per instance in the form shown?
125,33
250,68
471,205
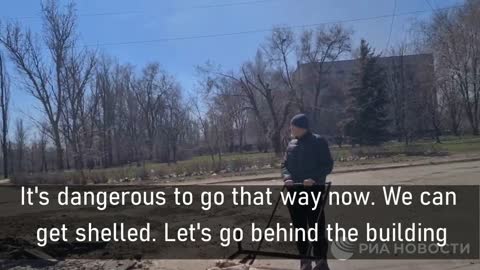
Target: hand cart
252,254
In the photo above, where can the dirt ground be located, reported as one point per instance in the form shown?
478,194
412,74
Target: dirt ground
465,173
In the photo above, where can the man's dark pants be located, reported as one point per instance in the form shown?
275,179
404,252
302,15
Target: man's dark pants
304,217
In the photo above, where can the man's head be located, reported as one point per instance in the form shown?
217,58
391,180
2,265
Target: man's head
299,125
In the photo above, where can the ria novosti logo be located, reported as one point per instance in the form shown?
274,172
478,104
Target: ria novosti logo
344,250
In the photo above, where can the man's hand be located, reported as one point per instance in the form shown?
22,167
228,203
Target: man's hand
309,182
288,182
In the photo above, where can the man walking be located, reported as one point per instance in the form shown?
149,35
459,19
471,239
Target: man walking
307,161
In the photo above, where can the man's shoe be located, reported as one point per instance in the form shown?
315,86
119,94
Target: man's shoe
321,265
305,265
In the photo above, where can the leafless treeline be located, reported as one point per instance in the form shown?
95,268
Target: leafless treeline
97,112
269,88
454,38
435,92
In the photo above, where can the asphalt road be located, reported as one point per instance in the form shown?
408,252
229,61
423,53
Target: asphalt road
462,173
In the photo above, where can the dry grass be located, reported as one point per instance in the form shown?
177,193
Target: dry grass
252,163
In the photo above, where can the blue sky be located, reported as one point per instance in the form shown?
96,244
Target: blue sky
121,28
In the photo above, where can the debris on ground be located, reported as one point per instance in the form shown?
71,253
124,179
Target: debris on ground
18,252
120,265
230,265
36,253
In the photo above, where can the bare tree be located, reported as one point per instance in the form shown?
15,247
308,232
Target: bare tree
279,47
209,129
452,104
317,49
43,150
402,94
4,104
237,117
43,79
453,36
149,91
434,111
228,100
103,105
20,146
79,70
129,111
115,116
264,92
173,121
270,99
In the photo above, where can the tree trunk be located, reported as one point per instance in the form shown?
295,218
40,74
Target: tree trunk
174,153
240,141
5,145
5,156
67,154
59,151
44,161
276,143
78,156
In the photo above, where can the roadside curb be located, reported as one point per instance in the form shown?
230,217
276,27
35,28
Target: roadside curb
353,170
272,176
406,165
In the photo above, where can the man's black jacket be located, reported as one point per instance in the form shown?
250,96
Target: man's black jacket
307,157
